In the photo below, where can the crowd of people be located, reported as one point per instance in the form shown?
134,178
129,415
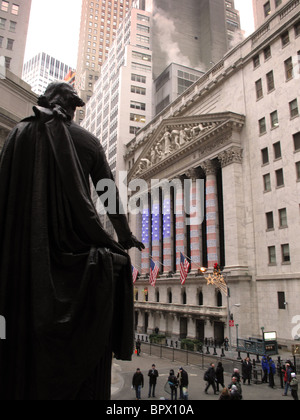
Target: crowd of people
214,378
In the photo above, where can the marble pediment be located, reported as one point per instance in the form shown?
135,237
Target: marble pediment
177,137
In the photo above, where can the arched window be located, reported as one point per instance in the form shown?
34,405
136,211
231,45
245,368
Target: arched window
183,297
200,298
170,296
219,299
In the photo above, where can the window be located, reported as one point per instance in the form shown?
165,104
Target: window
297,29
141,56
267,182
272,254
270,81
288,66
138,90
296,138
15,9
294,112
1,41
277,150
12,26
138,78
2,23
270,220
259,89
137,118
267,52
262,126
285,253
274,119
281,300
10,44
4,6
298,171
267,9
256,61
138,105
282,218
279,178
265,156
285,38
278,3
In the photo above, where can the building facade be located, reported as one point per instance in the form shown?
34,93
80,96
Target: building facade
43,69
16,102
264,9
100,20
238,130
14,20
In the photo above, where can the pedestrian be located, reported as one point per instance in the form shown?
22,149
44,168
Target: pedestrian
225,395
210,378
236,374
153,375
138,383
235,382
246,371
220,376
287,378
294,386
226,343
138,347
234,394
183,380
173,382
265,367
272,371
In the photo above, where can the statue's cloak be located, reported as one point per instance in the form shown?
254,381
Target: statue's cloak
63,313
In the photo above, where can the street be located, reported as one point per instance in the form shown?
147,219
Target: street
121,387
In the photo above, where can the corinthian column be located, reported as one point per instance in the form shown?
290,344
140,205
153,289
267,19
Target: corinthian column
212,213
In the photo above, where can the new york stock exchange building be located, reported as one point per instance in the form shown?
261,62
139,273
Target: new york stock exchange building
230,143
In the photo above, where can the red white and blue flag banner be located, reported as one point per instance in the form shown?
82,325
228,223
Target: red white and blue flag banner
154,271
135,273
184,268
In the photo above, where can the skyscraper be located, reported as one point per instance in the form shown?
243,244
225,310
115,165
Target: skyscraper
43,69
14,19
99,22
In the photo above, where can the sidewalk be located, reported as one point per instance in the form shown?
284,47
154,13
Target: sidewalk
123,372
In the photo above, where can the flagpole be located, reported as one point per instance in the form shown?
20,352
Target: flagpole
158,262
198,266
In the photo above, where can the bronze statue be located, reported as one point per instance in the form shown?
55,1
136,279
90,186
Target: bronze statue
65,284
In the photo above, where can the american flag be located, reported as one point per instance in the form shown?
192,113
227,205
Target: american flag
135,273
154,270
184,268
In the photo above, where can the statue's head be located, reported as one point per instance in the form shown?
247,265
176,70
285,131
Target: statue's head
62,94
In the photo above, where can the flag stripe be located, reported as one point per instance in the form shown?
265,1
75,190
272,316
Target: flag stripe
184,269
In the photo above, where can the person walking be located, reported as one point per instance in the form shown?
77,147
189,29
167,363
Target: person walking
210,377
173,382
287,378
294,386
138,383
153,375
246,371
183,380
236,383
138,347
265,367
220,376
272,371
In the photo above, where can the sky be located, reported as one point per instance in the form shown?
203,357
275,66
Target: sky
54,28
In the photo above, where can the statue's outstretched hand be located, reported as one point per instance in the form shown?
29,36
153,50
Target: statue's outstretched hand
132,242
